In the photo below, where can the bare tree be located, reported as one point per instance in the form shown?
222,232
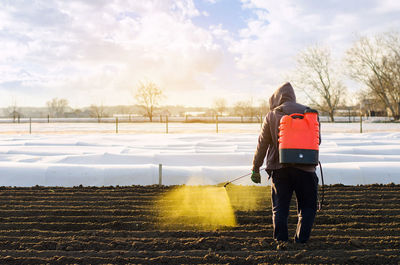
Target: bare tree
246,109
251,110
392,64
317,78
57,107
239,109
263,108
124,109
97,111
13,110
219,105
148,95
375,62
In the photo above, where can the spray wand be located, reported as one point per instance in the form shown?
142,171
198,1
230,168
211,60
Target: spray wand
229,182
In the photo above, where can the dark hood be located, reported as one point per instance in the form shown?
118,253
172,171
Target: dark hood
282,95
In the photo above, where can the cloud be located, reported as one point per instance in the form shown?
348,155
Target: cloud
388,6
94,47
99,50
210,1
267,47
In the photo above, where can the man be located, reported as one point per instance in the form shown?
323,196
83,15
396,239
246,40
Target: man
301,179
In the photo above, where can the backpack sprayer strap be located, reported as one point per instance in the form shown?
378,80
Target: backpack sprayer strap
321,202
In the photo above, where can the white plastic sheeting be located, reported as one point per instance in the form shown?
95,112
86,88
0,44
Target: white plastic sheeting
108,159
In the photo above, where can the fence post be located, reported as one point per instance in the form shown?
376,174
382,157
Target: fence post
216,122
30,125
48,118
349,116
159,174
166,124
261,120
116,125
360,122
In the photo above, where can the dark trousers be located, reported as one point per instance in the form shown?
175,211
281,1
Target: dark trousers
305,185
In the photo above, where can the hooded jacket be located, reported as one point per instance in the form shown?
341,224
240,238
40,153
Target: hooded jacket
282,102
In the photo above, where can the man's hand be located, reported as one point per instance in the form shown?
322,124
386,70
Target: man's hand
256,177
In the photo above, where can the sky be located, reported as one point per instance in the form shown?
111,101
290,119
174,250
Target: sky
96,52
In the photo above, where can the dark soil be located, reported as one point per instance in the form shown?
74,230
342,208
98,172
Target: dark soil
116,225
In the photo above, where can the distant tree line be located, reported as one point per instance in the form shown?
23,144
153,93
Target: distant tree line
57,107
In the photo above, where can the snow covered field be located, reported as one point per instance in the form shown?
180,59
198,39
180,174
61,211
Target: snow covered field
195,158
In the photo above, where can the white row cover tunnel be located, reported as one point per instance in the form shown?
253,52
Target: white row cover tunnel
106,159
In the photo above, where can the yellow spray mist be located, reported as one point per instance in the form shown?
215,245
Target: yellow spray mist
209,207
203,207
249,198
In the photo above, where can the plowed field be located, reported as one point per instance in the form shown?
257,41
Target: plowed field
116,225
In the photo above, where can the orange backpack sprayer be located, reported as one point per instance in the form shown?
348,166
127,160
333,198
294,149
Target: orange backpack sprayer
299,138
299,141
